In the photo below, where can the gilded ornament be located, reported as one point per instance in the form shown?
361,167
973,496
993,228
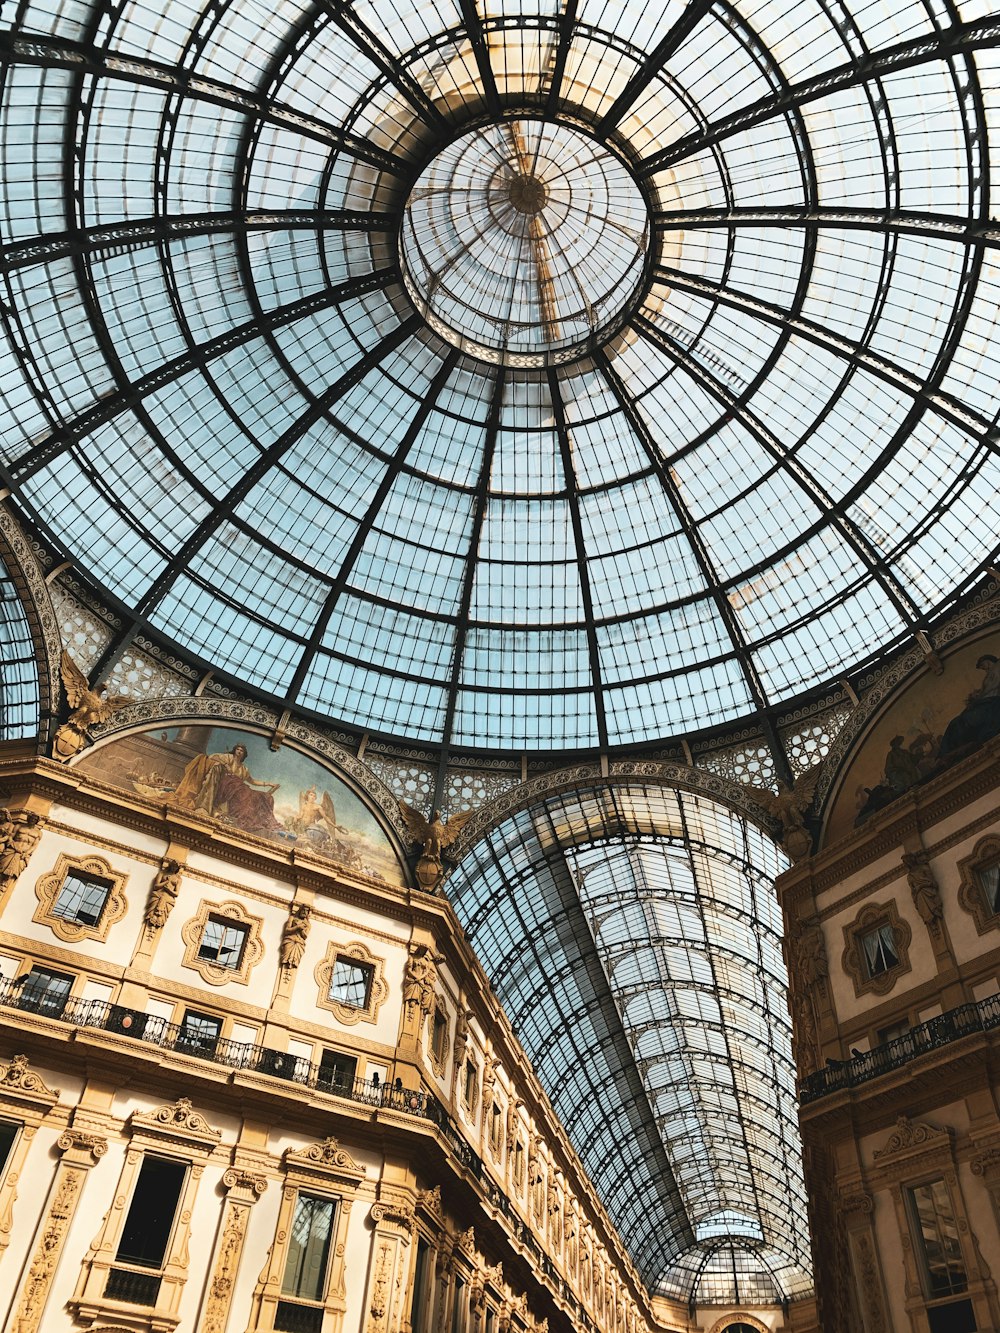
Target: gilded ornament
433,837
789,806
87,709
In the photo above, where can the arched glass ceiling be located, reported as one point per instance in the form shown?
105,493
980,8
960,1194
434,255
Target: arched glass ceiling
20,707
222,404
633,938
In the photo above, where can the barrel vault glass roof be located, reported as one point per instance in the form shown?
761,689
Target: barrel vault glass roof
757,452
634,939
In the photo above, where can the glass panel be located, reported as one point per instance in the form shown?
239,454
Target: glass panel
337,1071
937,1234
151,1213
351,982
222,943
8,1133
989,882
46,992
308,1248
199,1032
81,898
879,947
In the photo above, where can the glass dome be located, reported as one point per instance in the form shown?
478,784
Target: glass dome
550,471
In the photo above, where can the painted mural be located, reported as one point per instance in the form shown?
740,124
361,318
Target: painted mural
935,723
232,776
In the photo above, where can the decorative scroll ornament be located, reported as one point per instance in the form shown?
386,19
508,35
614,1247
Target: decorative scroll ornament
88,709
252,1181
911,1134
95,1144
986,1163
16,1074
858,1202
182,1115
466,1241
330,1153
20,831
433,838
393,1214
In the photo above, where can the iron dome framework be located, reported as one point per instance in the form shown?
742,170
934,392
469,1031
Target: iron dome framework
225,409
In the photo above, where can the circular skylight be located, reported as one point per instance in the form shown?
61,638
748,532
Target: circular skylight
721,432
523,240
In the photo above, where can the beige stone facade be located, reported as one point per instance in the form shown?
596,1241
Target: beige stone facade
194,1037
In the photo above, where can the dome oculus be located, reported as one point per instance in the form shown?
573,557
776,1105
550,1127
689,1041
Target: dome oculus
525,242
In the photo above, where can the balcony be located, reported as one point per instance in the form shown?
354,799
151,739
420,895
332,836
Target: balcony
838,1075
154,1031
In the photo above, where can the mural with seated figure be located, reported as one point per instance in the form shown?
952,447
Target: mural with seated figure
232,776
932,725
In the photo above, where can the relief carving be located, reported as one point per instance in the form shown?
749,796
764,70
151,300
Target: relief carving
16,1074
46,1256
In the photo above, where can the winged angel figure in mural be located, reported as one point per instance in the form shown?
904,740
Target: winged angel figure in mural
433,836
789,806
87,709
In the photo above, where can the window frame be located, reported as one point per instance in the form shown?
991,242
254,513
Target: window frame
23,982
228,913
919,1243
872,917
357,953
225,925
50,886
972,898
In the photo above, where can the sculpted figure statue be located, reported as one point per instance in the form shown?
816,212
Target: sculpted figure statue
295,934
420,977
923,888
19,834
88,708
163,895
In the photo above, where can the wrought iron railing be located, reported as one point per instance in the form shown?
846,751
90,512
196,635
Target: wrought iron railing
125,1284
155,1031
838,1075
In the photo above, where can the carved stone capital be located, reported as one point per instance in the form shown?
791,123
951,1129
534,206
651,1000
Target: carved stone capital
94,1144
856,1202
987,1163
390,1213
249,1182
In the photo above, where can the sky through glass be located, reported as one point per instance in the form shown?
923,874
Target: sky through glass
761,446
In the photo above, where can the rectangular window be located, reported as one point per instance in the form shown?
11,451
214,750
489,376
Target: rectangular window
337,1071
518,1164
150,1219
8,1133
496,1127
438,1035
45,992
878,947
199,1033
936,1234
471,1085
223,942
458,1310
351,983
309,1248
418,1300
893,1032
81,898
